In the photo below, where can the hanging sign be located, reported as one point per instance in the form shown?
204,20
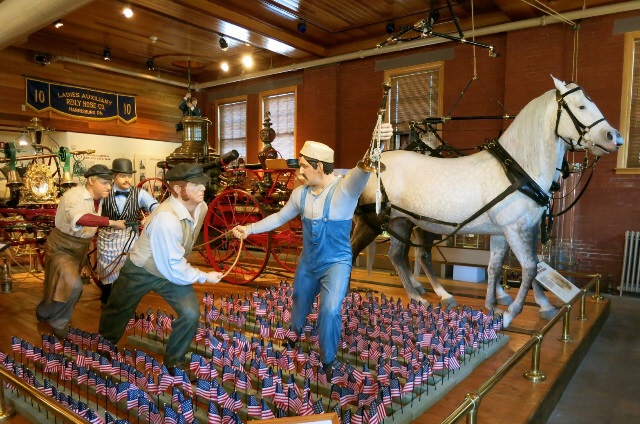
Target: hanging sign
80,102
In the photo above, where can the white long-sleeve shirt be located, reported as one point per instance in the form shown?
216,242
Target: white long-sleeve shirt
343,203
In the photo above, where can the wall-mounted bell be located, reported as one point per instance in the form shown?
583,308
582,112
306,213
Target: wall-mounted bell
67,180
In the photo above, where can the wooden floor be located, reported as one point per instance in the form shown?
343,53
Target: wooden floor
513,400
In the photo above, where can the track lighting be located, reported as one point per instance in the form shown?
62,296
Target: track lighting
224,66
127,11
58,23
247,61
223,44
391,26
150,65
106,54
302,26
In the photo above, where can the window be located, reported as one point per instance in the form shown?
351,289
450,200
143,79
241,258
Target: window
232,127
629,154
281,104
415,94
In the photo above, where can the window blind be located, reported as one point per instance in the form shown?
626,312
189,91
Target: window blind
232,127
282,108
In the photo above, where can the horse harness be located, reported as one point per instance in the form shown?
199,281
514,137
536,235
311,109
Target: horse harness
518,177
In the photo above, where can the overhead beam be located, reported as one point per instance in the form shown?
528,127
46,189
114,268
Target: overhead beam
205,15
19,18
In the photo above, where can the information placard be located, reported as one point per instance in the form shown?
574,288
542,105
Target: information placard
553,281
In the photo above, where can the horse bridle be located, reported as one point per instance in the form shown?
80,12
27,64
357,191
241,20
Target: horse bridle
581,128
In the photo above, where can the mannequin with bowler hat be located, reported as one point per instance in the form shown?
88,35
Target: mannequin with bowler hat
124,202
158,262
77,219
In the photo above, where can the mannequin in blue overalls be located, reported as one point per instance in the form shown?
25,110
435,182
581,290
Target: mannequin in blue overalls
326,203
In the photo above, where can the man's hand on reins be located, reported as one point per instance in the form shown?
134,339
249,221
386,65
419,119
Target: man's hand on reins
214,277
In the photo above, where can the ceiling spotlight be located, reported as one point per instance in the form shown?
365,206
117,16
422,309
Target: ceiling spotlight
150,65
302,26
106,54
391,26
247,61
58,23
224,66
126,11
223,44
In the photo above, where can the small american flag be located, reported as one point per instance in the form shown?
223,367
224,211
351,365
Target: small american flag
254,409
213,415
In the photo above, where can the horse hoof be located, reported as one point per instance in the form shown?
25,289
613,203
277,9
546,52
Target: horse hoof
548,314
420,289
448,301
505,300
507,317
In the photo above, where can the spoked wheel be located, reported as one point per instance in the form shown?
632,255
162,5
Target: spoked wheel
156,187
230,208
286,244
92,263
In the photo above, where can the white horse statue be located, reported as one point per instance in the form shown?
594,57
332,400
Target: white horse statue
434,194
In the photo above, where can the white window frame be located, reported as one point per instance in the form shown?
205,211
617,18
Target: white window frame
631,48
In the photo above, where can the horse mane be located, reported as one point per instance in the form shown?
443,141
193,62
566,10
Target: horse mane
531,135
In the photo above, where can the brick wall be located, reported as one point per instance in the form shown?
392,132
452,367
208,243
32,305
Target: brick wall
520,73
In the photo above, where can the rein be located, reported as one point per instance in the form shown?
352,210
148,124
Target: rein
581,128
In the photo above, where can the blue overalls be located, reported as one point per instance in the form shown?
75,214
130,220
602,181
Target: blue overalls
325,268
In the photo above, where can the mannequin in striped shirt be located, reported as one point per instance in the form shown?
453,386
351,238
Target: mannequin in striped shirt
124,202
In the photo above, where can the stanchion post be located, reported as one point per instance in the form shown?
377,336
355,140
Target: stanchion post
6,411
566,319
505,282
583,316
534,374
597,296
472,416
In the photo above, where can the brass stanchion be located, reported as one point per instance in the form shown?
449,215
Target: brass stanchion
6,411
583,315
565,325
505,282
472,416
597,296
534,374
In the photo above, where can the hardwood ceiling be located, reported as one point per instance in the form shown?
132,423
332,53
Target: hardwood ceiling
175,33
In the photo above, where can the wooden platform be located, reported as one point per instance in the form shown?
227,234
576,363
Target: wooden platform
513,400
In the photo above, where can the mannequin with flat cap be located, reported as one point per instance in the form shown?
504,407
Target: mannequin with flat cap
124,202
326,203
158,262
77,219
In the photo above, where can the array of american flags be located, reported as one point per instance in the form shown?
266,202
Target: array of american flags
244,369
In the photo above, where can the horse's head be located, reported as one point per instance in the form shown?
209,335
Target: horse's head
581,124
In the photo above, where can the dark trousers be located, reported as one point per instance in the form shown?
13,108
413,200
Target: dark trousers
132,284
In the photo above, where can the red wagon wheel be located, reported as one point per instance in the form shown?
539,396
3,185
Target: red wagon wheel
92,263
156,187
230,208
286,244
